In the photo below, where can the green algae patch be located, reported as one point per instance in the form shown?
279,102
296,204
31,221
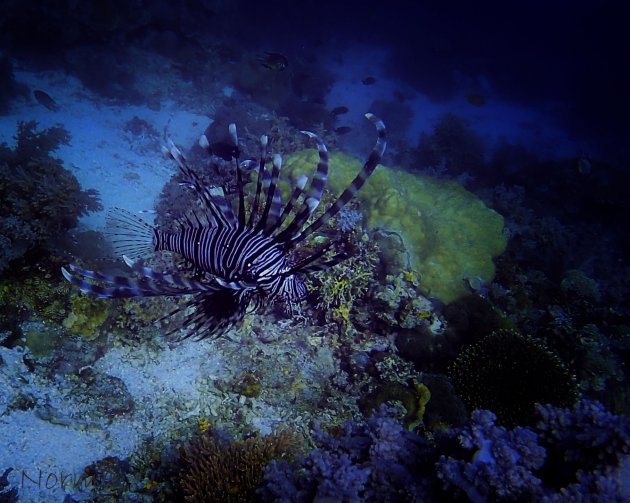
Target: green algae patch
449,234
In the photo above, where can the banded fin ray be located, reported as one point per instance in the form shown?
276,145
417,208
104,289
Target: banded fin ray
313,194
210,315
151,285
216,203
356,184
273,203
264,140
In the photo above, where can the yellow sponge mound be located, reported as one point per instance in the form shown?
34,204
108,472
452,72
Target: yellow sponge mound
449,233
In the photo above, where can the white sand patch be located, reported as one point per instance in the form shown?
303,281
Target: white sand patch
167,387
128,171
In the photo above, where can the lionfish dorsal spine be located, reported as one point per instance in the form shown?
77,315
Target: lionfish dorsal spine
313,194
239,176
214,200
272,200
368,168
264,141
298,190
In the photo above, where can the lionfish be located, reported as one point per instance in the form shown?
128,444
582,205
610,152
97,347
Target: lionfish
241,261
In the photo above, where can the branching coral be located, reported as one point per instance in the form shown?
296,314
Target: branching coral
574,454
502,466
39,199
571,455
230,472
341,287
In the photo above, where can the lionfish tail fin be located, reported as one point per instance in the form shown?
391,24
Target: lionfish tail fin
130,235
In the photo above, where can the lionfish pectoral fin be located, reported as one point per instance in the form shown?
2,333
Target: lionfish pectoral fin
209,314
236,285
149,284
130,235
130,263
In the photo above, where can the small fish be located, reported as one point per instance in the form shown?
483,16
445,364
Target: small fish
400,97
368,81
584,165
339,111
45,99
343,129
476,99
274,61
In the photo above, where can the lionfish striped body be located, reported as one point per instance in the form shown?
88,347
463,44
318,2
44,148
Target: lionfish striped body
240,262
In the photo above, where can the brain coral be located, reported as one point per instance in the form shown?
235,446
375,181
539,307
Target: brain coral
448,232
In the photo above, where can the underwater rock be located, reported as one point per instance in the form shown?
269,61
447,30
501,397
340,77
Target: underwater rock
102,395
108,476
576,284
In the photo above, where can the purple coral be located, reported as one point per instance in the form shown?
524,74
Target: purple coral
578,454
374,461
499,464
586,447
574,454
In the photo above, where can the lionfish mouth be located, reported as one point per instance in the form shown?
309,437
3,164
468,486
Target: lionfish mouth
241,260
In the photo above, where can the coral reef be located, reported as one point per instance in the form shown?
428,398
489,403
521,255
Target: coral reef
39,294
86,316
413,397
452,145
40,200
575,454
50,306
584,446
340,288
578,285
502,465
508,374
448,234
378,460
230,471
401,305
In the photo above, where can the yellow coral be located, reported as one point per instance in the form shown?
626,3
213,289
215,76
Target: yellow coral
204,424
87,316
449,233
46,298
